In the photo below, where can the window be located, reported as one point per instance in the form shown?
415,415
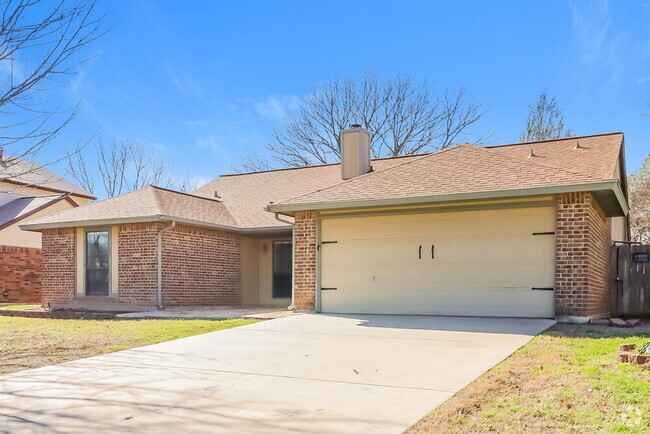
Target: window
282,269
97,263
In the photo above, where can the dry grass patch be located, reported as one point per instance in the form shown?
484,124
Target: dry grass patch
559,382
27,343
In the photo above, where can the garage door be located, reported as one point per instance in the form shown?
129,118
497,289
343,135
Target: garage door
486,263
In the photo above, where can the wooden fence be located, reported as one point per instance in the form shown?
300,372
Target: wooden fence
630,280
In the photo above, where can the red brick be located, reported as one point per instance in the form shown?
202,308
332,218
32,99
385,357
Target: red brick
20,274
581,262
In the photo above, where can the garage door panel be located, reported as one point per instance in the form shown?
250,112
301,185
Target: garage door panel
486,263
506,302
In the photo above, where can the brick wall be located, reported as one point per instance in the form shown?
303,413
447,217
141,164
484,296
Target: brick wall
305,260
20,274
581,268
138,263
201,266
58,256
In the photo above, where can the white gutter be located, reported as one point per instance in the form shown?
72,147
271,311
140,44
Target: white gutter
146,219
609,185
293,259
160,232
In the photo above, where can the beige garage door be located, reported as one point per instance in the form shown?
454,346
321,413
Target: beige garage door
485,263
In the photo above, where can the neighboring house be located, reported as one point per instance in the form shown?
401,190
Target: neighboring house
28,191
517,230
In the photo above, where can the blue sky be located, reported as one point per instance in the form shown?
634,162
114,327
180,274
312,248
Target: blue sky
204,82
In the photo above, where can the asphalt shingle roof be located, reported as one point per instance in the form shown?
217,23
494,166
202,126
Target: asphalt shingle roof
246,195
238,201
469,168
149,202
35,175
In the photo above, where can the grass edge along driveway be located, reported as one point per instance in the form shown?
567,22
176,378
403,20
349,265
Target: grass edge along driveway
561,381
27,343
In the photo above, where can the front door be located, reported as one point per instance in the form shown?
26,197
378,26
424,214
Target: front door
282,271
97,262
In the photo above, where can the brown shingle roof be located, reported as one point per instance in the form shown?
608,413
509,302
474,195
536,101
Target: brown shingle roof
246,195
598,154
149,203
15,170
463,169
468,168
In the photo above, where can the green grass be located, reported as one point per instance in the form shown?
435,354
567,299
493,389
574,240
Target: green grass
559,382
20,306
27,343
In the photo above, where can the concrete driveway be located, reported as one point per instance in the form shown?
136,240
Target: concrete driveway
305,373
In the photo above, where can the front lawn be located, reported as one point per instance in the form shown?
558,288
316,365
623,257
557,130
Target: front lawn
27,343
562,381
20,306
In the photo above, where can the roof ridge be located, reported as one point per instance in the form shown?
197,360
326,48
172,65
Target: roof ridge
365,175
184,193
237,223
553,140
539,163
319,165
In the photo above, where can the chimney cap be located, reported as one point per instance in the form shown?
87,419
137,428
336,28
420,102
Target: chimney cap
355,125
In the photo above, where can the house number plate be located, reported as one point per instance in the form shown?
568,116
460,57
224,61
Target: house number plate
640,257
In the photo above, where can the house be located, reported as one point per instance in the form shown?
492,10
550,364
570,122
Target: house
518,230
28,191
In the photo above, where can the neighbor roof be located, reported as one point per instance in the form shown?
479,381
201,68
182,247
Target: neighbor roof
22,207
468,169
147,204
27,173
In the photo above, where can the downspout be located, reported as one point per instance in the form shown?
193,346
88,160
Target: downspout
160,232
293,256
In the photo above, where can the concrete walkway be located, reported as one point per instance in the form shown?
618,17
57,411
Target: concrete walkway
304,373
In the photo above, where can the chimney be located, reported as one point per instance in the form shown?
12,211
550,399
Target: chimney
2,153
355,152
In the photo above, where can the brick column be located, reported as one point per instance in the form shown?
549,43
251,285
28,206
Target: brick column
304,268
58,256
581,269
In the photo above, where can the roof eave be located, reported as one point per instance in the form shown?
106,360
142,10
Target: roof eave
84,195
122,220
36,227
619,207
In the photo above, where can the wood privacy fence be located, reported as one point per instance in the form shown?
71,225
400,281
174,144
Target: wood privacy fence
630,280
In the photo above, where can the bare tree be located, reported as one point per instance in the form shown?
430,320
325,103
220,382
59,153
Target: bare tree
403,117
124,166
253,162
639,195
545,121
40,42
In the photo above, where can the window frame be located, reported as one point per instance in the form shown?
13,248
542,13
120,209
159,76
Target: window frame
108,231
